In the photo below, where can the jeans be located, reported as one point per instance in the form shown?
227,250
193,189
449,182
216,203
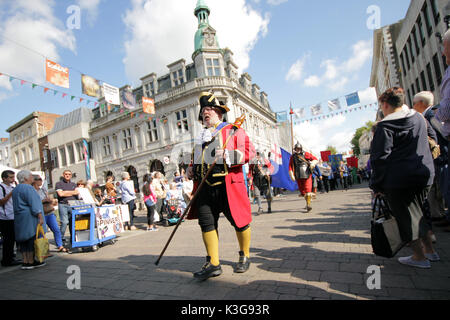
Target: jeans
7,230
150,211
131,208
65,215
50,220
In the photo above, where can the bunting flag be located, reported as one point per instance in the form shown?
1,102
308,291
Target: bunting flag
56,74
334,105
352,99
316,110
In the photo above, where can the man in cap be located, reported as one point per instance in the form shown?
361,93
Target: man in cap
224,189
301,166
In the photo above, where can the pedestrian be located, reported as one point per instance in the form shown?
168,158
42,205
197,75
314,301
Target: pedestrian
66,191
327,175
110,189
7,218
443,115
128,198
161,194
28,213
301,165
50,217
188,186
224,190
434,203
402,170
343,175
317,178
149,201
260,180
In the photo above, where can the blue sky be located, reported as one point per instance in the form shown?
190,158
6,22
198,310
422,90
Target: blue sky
298,52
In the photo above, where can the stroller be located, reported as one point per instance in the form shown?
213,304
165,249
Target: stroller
174,212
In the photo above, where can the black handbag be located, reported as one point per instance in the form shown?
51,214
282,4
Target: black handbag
385,235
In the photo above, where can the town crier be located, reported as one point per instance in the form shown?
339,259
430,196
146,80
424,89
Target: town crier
301,166
224,190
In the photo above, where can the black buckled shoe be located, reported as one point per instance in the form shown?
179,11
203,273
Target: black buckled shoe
208,271
243,264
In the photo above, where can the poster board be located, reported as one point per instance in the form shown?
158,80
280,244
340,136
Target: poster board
109,221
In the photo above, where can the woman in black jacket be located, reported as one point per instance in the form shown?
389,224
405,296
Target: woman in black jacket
402,170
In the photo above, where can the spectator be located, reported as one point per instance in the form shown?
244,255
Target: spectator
128,198
402,169
28,213
65,189
327,175
110,190
7,218
434,205
161,193
149,201
443,115
50,218
188,186
343,174
99,198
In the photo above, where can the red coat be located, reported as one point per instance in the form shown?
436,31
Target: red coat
234,180
304,185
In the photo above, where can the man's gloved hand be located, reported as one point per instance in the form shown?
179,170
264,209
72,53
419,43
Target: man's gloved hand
291,174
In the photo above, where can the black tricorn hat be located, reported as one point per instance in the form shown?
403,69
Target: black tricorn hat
207,99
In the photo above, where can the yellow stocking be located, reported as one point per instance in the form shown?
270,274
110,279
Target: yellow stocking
211,240
244,241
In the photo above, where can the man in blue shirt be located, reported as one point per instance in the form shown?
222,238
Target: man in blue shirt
65,189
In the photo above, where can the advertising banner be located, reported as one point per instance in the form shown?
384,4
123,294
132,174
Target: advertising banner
128,99
109,221
56,74
112,95
90,86
148,105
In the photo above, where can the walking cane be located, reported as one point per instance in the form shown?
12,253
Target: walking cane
236,125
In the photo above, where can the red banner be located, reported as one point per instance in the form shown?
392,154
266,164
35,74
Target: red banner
324,155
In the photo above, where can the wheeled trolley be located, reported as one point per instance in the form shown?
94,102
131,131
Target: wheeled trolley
84,229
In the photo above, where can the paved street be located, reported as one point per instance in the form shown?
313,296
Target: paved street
295,255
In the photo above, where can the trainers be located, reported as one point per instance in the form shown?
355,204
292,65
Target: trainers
413,263
243,264
27,266
38,264
432,256
153,229
208,271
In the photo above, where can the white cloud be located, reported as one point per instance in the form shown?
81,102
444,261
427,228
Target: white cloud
312,81
91,6
368,95
160,32
31,24
337,75
276,2
296,70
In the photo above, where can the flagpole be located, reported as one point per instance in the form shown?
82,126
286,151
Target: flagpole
291,112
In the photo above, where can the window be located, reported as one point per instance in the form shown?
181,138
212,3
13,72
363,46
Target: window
178,77
421,31
71,154
413,91
30,149
411,51
24,155
424,83
213,67
182,121
407,58
430,77
54,158
62,153
16,138
29,131
437,69
435,11
45,156
151,89
16,156
417,85
106,147
127,143
427,19
22,135
152,131
402,58
414,39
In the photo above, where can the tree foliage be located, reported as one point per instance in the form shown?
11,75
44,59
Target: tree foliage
358,133
332,149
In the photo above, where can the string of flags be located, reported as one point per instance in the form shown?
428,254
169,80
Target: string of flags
128,100
330,108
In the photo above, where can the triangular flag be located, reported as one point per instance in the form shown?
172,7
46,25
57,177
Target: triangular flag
55,92
33,85
81,99
72,97
11,79
22,82
64,94
45,90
